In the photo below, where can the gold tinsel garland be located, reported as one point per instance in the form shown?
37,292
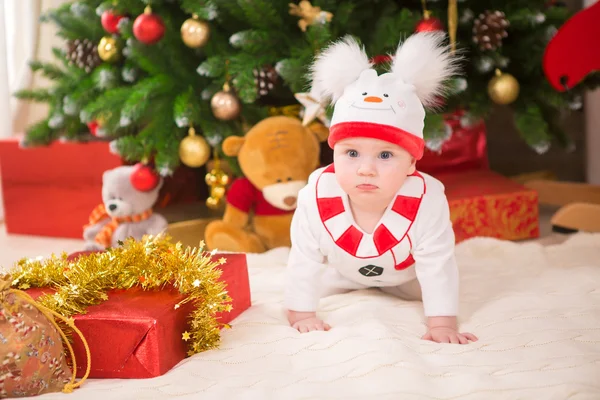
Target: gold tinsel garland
151,264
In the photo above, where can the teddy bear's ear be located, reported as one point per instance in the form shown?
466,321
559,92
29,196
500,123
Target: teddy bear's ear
232,145
319,130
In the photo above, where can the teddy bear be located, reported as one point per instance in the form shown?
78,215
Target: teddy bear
276,156
125,211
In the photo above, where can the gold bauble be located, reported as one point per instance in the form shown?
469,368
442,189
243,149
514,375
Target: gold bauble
195,33
503,88
213,203
217,192
223,179
225,105
194,151
216,177
211,178
109,49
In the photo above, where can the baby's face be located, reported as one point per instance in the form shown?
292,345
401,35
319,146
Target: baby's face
371,170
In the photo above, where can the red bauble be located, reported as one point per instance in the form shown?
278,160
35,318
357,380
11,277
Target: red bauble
110,21
430,24
144,178
93,127
148,28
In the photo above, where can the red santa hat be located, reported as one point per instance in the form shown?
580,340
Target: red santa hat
390,106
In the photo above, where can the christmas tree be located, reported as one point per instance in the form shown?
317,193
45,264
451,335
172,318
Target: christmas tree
167,80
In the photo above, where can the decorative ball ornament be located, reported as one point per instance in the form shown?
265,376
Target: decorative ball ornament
194,151
195,32
148,27
144,178
429,23
110,21
217,179
93,127
503,88
109,49
225,104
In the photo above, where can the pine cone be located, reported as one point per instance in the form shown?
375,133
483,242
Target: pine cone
266,78
84,54
489,29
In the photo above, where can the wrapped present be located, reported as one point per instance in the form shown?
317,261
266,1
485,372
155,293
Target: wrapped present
464,150
32,357
51,190
167,304
484,203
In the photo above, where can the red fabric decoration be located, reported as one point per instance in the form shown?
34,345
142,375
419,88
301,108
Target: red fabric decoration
573,52
383,239
406,263
350,240
329,207
244,196
407,206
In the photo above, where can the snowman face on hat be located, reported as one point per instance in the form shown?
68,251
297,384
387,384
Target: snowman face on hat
382,99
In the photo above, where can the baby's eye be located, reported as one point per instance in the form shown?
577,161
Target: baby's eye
385,95
364,93
385,155
352,153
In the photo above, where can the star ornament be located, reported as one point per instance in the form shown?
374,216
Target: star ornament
313,108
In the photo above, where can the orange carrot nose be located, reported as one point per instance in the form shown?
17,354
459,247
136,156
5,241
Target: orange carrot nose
373,99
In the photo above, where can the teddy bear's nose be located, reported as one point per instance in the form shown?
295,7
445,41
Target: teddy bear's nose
112,207
289,201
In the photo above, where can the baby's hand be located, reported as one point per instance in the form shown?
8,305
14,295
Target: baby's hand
311,324
443,334
306,322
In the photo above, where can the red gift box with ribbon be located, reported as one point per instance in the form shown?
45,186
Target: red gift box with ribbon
138,334
482,202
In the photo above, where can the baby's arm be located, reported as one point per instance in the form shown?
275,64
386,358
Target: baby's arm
437,271
303,275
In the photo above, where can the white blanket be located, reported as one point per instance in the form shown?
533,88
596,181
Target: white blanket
535,309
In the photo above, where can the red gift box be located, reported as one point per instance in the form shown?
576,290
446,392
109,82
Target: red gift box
51,190
138,334
465,150
484,203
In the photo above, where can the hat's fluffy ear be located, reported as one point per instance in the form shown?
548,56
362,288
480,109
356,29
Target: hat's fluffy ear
425,62
337,66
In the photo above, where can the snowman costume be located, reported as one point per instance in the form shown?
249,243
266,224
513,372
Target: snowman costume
414,237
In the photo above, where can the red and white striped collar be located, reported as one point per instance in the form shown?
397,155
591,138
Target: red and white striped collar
335,214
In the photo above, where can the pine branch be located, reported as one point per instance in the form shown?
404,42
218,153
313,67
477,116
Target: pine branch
37,95
186,109
531,125
261,14
39,134
206,10
141,96
73,27
50,71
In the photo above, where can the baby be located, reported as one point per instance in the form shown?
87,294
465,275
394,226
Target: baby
371,219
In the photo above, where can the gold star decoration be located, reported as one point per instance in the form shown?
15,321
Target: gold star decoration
313,107
196,283
186,336
24,286
309,14
222,260
71,321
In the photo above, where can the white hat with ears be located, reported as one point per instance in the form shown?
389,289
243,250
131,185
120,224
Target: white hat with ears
390,106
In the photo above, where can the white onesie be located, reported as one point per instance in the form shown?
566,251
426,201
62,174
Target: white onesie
413,239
